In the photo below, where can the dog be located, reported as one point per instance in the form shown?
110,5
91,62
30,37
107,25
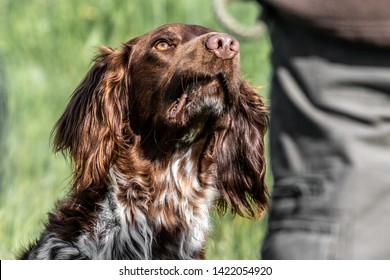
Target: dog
160,132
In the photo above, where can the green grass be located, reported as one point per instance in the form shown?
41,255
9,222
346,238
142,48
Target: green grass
45,49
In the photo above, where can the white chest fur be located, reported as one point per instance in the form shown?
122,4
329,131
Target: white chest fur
130,230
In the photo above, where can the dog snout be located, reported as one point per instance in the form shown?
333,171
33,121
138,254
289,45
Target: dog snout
223,45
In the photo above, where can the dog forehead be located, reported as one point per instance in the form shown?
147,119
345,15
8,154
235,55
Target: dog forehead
184,31
179,28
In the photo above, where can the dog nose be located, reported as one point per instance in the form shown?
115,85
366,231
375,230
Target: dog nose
223,45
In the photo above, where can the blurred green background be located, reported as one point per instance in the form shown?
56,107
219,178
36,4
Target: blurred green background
45,49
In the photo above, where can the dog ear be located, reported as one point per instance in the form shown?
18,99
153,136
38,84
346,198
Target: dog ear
94,122
239,156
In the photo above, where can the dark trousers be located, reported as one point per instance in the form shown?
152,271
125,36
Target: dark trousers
330,148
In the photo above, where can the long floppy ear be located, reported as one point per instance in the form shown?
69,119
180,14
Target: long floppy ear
239,155
94,122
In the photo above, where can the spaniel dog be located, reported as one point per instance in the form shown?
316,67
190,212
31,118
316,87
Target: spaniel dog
160,132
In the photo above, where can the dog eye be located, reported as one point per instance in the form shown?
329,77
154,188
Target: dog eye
163,46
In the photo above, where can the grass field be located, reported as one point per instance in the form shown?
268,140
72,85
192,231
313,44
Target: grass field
45,49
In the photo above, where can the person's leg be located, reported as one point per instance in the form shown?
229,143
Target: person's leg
330,149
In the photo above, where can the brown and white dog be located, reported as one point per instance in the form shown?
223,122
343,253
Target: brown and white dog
159,132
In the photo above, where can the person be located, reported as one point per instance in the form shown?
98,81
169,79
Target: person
329,129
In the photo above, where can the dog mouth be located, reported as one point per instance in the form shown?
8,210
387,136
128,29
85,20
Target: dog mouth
191,91
179,105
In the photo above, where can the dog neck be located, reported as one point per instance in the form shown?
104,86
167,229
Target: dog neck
151,209
166,213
